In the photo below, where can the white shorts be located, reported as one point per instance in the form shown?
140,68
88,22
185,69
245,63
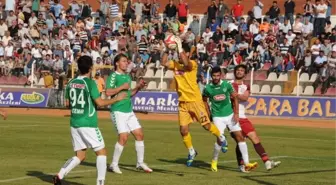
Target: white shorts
223,122
86,137
125,122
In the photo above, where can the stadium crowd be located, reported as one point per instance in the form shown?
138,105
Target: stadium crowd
54,37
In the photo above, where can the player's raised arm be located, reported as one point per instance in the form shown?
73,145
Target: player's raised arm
111,88
245,96
142,83
184,51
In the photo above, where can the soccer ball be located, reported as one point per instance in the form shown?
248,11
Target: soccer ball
170,41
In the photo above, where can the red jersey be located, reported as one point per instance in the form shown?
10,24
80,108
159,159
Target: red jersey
237,10
182,10
240,89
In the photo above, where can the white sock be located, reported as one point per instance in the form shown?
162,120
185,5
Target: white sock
101,169
216,151
68,166
243,149
191,151
140,149
118,148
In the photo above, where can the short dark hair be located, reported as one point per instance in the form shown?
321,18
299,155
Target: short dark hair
117,59
216,69
186,47
240,66
84,64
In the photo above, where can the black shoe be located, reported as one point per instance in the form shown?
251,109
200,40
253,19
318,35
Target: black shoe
57,180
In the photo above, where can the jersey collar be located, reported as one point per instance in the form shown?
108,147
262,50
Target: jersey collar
220,83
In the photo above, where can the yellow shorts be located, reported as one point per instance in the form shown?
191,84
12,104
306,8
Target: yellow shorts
192,111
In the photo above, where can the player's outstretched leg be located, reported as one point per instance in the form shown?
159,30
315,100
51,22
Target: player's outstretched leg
118,149
68,166
217,149
269,164
184,130
220,137
244,151
101,166
140,149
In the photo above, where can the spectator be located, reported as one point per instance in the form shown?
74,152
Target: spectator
170,10
289,10
238,10
194,26
100,83
212,12
48,80
257,10
319,60
307,28
146,11
182,11
323,78
320,20
274,12
308,11
223,10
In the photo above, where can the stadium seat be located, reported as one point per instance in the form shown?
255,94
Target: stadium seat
12,80
169,74
261,77
152,85
276,89
150,65
149,73
41,82
331,92
229,76
304,77
164,86
283,77
265,89
300,89
255,88
272,77
318,91
309,90
2,80
158,73
313,77
133,84
23,80
266,66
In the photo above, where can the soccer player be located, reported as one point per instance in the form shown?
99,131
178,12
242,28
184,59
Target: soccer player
3,113
122,114
190,98
248,130
219,93
81,96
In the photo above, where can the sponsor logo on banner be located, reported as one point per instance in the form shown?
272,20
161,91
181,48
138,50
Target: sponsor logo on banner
24,97
32,98
283,106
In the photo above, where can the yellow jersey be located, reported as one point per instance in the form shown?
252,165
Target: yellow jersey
186,81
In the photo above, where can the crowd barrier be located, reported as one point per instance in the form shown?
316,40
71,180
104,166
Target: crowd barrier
167,102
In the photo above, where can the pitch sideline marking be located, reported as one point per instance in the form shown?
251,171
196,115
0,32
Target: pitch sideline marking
160,166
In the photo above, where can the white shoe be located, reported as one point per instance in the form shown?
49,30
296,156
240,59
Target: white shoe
242,169
115,169
272,164
144,167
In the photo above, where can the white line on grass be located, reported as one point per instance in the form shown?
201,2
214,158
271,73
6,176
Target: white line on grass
160,166
153,166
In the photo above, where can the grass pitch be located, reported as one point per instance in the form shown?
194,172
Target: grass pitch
32,148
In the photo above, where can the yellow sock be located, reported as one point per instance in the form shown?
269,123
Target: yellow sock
214,130
187,141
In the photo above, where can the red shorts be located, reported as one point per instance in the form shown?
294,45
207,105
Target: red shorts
246,126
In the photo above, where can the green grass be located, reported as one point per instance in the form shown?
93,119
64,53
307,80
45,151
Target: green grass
32,148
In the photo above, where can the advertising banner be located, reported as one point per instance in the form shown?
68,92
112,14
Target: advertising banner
24,97
282,106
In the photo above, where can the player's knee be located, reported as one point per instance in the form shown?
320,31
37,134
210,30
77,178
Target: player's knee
101,152
239,137
254,137
139,136
207,126
123,139
184,131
